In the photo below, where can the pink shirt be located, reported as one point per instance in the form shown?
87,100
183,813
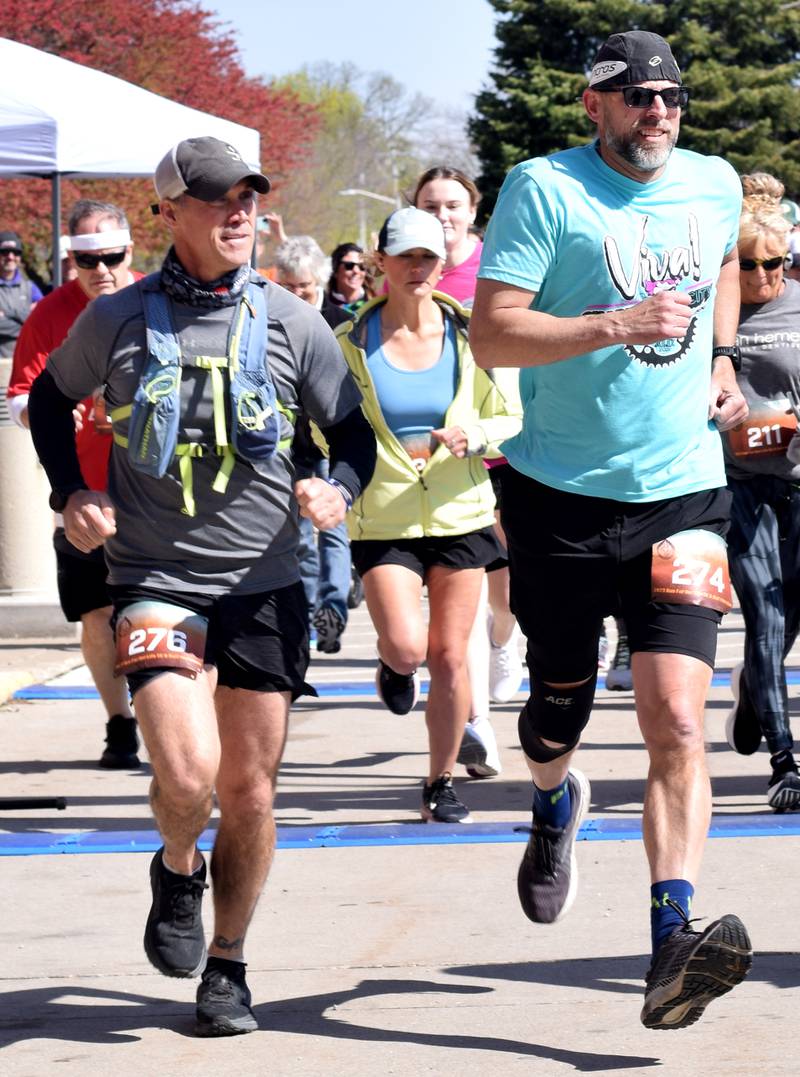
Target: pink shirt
459,282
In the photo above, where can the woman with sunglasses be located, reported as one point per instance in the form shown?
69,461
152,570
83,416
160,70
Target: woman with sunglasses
349,285
426,518
763,468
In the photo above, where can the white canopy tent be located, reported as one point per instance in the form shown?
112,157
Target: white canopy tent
58,118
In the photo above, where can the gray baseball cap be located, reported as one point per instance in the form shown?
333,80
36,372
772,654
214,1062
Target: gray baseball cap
204,168
10,241
408,228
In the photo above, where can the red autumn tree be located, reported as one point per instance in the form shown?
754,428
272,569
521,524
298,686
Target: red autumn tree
173,47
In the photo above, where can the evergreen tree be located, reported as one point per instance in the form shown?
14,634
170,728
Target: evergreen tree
741,59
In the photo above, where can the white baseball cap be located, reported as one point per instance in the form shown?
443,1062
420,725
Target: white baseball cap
408,228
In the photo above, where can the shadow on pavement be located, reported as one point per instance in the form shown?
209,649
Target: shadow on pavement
77,1014
307,1016
780,969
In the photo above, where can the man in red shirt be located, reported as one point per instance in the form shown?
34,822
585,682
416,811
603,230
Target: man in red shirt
100,250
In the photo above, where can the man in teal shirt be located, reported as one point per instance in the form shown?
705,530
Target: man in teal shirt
609,277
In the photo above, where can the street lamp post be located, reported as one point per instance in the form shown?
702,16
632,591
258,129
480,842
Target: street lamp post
361,194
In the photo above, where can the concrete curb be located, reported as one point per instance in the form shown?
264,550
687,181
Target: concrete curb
13,680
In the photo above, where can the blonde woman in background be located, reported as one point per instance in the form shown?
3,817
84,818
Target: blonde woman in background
762,460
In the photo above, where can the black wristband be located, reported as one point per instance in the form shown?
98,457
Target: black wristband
733,353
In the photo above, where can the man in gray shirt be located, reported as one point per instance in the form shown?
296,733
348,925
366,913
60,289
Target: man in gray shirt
199,525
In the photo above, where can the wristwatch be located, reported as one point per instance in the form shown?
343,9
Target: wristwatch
59,498
732,351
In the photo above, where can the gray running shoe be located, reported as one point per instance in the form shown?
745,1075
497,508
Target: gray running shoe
329,626
174,940
691,969
547,881
355,595
223,1000
440,803
619,677
742,727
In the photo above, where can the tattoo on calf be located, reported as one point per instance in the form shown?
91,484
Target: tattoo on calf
228,944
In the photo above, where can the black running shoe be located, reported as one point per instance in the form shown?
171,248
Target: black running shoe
122,744
440,803
547,881
742,727
783,791
692,968
174,940
399,691
223,1000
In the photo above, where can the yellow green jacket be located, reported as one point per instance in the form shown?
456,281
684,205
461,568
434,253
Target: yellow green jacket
446,496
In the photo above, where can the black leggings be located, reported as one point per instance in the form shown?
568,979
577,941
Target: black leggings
764,553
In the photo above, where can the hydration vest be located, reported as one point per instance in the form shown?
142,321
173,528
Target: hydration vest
152,439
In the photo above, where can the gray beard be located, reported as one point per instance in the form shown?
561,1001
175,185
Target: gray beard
642,158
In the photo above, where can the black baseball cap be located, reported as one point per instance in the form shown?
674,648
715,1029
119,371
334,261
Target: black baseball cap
10,241
204,168
633,57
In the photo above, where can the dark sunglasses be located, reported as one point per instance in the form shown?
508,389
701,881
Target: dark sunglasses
10,250
642,97
85,260
352,265
749,264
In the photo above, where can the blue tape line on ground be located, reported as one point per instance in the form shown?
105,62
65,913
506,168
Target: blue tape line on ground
372,835
325,691
46,691
330,690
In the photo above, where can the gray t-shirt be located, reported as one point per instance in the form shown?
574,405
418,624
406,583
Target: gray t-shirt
245,539
769,336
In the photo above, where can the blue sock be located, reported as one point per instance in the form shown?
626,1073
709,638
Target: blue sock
663,918
552,806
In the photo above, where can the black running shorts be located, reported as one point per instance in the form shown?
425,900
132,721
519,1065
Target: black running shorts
81,578
576,559
477,549
256,641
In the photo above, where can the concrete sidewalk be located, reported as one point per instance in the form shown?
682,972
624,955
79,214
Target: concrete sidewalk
398,959
27,661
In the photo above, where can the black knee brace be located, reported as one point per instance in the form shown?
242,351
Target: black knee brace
557,714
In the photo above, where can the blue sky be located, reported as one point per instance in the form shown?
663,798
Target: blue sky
441,48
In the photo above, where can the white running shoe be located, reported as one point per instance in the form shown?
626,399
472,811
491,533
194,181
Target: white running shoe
505,668
478,751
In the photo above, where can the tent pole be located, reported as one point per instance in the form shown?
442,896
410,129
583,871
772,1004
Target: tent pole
55,184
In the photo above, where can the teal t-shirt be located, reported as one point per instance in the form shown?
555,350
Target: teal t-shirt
627,422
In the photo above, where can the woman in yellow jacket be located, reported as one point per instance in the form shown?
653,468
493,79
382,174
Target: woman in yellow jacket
426,517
